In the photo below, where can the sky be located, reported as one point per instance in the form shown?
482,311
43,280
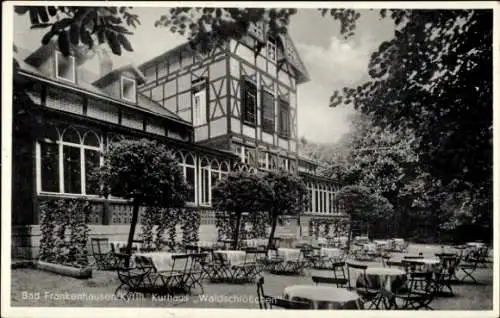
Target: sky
331,61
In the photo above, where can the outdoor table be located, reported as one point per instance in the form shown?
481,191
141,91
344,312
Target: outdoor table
256,242
163,261
331,252
233,257
429,264
370,247
387,278
117,245
205,243
322,241
324,297
475,244
289,254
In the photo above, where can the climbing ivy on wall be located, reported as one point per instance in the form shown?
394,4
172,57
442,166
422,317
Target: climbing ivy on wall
154,222
190,226
64,232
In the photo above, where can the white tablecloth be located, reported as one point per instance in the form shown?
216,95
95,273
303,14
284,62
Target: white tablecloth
475,244
372,247
163,261
386,276
256,242
289,254
330,252
123,244
233,257
429,264
323,297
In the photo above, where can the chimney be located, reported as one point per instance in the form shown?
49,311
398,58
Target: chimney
105,62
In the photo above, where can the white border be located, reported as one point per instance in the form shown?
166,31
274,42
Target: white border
7,26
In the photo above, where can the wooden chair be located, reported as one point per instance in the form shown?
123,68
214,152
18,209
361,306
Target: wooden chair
268,302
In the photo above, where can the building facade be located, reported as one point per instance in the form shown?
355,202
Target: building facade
233,108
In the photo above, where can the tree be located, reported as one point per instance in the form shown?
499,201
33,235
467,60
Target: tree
241,192
88,26
435,77
289,197
144,172
363,207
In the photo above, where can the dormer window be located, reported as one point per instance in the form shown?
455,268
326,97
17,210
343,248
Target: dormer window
128,89
271,49
65,67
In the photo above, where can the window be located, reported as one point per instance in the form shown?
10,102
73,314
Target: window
263,160
128,89
249,102
271,49
189,170
199,104
65,67
284,122
205,182
248,156
65,162
267,112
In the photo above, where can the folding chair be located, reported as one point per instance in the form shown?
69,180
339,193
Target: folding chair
338,269
447,273
268,302
339,282
469,267
194,275
132,279
103,255
416,295
362,286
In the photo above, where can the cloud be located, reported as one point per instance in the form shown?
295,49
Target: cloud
340,63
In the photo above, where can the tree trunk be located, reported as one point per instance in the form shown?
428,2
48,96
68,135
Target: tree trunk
273,229
349,234
236,232
135,215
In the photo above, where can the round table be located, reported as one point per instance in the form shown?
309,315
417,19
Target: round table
475,244
331,252
389,278
324,297
233,257
288,254
429,264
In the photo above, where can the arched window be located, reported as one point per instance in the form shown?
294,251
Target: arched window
224,169
204,183
66,161
189,171
48,173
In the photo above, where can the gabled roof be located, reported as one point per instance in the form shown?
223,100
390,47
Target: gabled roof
259,31
41,54
143,102
115,75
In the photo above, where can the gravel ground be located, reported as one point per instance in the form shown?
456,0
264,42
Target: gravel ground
31,287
